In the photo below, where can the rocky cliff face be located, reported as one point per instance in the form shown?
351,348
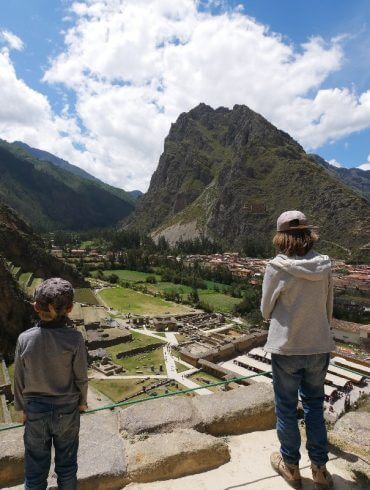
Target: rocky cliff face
25,249
228,174
15,312
19,245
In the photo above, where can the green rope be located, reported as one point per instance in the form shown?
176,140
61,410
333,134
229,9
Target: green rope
165,395
350,370
180,392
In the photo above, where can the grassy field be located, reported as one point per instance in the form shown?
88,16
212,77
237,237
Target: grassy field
131,276
2,376
117,389
15,416
35,282
205,376
86,295
138,340
218,301
143,362
1,413
24,277
129,301
180,367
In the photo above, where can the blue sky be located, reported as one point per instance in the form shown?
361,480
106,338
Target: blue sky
92,83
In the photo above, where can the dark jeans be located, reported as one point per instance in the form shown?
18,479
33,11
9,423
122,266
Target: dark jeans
306,375
49,424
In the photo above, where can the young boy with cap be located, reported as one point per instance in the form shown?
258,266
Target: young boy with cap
297,298
50,387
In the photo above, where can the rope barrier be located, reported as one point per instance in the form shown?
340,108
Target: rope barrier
350,370
165,395
179,392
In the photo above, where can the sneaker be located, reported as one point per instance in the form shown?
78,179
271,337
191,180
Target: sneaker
321,477
290,472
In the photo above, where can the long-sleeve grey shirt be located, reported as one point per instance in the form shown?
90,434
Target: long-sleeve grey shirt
297,298
51,364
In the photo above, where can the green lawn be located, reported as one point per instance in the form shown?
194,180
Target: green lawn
15,416
205,376
143,362
138,340
131,276
1,413
36,281
180,367
218,301
24,277
129,301
2,376
86,295
117,389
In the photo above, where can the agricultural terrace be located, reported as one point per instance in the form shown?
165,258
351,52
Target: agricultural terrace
86,295
129,301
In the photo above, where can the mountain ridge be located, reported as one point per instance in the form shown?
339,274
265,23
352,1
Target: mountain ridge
228,174
51,198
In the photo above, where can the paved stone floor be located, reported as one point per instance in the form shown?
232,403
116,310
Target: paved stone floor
250,469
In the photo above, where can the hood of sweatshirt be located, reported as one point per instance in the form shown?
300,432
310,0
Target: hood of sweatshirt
312,266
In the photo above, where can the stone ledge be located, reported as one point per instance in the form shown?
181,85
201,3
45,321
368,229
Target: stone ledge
179,453
11,457
352,434
237,411
157,416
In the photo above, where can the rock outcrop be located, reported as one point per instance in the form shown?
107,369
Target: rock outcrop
228,174
352,434
20,245
15,312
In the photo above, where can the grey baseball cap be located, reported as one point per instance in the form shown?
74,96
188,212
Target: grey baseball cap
55,291
293,220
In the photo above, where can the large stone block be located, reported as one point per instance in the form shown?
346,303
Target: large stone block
101,459
238,411
11,457
180,453
352,434
163,415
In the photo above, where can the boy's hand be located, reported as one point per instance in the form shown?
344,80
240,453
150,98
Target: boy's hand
24,417
82,408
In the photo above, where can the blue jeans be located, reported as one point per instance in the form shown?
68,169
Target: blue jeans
306,375
49,424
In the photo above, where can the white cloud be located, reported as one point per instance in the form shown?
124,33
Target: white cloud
12,41
135,65
365,166
334,163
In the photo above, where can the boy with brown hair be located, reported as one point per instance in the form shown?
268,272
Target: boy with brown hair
50,387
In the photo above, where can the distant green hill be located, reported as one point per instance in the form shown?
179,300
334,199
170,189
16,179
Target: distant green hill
50,198
356,178
228,174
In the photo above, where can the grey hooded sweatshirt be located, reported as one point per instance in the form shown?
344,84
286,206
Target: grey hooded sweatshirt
297,296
